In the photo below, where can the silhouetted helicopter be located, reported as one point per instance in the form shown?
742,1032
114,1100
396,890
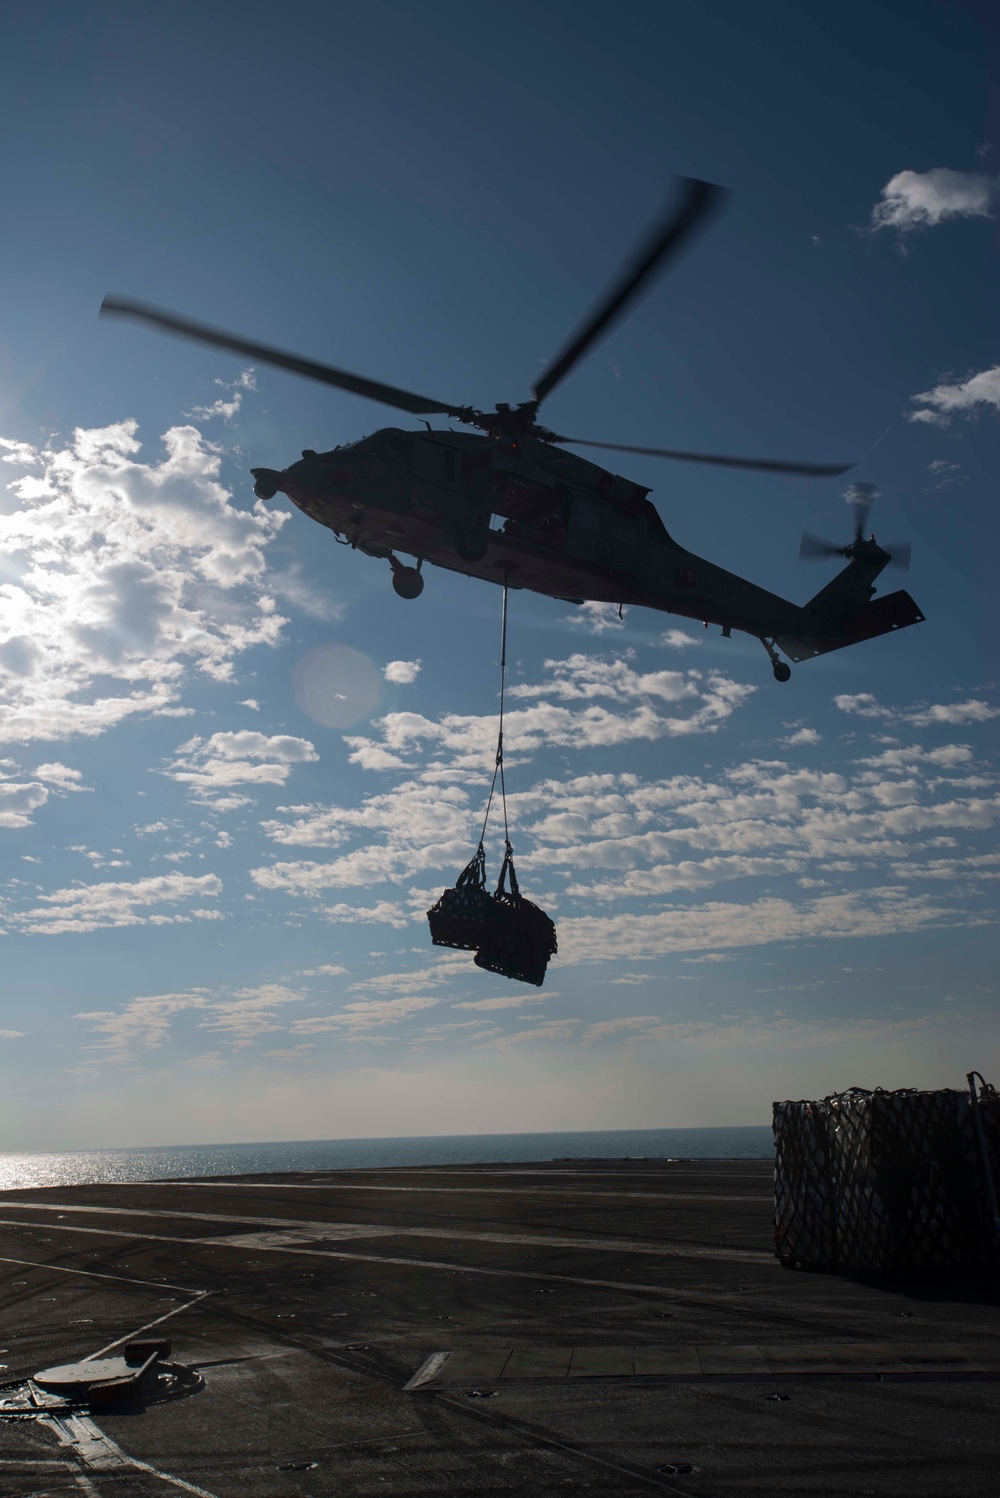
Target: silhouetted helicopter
512,506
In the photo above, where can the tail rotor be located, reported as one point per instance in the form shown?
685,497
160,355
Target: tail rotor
860,497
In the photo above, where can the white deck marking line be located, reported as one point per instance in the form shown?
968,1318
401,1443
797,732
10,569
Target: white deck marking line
686,1197
131,1336
334,1230
703,1297
99,1452
93,1274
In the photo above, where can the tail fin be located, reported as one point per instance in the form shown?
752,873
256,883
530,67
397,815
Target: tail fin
828,625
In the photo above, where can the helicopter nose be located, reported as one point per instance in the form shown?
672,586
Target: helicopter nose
267,482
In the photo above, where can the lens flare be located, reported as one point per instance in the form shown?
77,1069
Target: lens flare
337,686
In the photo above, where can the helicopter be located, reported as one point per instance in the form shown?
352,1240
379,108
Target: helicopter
506,503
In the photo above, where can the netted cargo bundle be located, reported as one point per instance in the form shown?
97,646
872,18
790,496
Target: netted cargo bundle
519,938
888,1182
458,919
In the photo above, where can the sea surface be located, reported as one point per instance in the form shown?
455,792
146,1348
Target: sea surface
169,1162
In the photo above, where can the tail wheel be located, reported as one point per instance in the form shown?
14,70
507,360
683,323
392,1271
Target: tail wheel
781,671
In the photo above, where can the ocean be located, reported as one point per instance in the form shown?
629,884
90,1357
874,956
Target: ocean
20,1170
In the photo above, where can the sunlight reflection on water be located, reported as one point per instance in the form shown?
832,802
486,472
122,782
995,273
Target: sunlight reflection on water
77,1167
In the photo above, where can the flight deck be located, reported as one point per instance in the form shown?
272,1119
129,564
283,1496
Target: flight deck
608,1326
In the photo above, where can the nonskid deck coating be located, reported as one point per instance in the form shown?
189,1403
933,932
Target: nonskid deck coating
606,1323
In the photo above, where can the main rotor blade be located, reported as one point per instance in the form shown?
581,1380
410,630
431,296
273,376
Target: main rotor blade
388,395
763,465
698,201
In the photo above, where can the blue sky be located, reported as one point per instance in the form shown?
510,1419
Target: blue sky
213,888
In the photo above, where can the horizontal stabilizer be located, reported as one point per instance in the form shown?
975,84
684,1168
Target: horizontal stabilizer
881,617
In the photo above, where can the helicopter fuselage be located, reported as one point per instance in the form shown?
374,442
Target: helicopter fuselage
523,511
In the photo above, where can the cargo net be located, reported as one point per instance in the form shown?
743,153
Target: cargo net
508,934
883,1182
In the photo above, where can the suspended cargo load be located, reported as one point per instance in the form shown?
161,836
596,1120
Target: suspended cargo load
459,918
519,938
901,1183
509,935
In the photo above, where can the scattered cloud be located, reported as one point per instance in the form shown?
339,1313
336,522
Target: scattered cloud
401,672
384,913
120,577
143,1024
366,1014
227,409
802,736
510,1001
874,912
678,639
252,1012
963,398
242,758
918,200
60,776
866,705
94,907
18,800
947,474
598,618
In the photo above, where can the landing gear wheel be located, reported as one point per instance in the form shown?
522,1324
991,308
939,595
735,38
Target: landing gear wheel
781,671
408,582
472,542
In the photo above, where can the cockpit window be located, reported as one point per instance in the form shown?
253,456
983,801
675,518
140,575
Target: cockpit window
396,447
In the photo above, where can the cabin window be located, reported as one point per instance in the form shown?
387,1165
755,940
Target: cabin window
397,447
624,530
588,513
448,464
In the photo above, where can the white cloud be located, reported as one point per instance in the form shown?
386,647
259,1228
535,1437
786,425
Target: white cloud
596,617
959,399
93,907
701,702
402,672
947,474
226,408
327,970
678,639
119,578
11,1034
251,703
550,1029
511,1001
242,758
366,1014
143,1024
18,801
60,776
866,705
802,736
251,1013
912,200
876,912
623,1025
384,913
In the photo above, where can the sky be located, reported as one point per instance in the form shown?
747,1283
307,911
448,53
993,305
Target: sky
236,769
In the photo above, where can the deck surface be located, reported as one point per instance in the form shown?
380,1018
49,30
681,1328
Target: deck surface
608,1326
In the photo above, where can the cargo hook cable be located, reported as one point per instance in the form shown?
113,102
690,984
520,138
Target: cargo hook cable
498,767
